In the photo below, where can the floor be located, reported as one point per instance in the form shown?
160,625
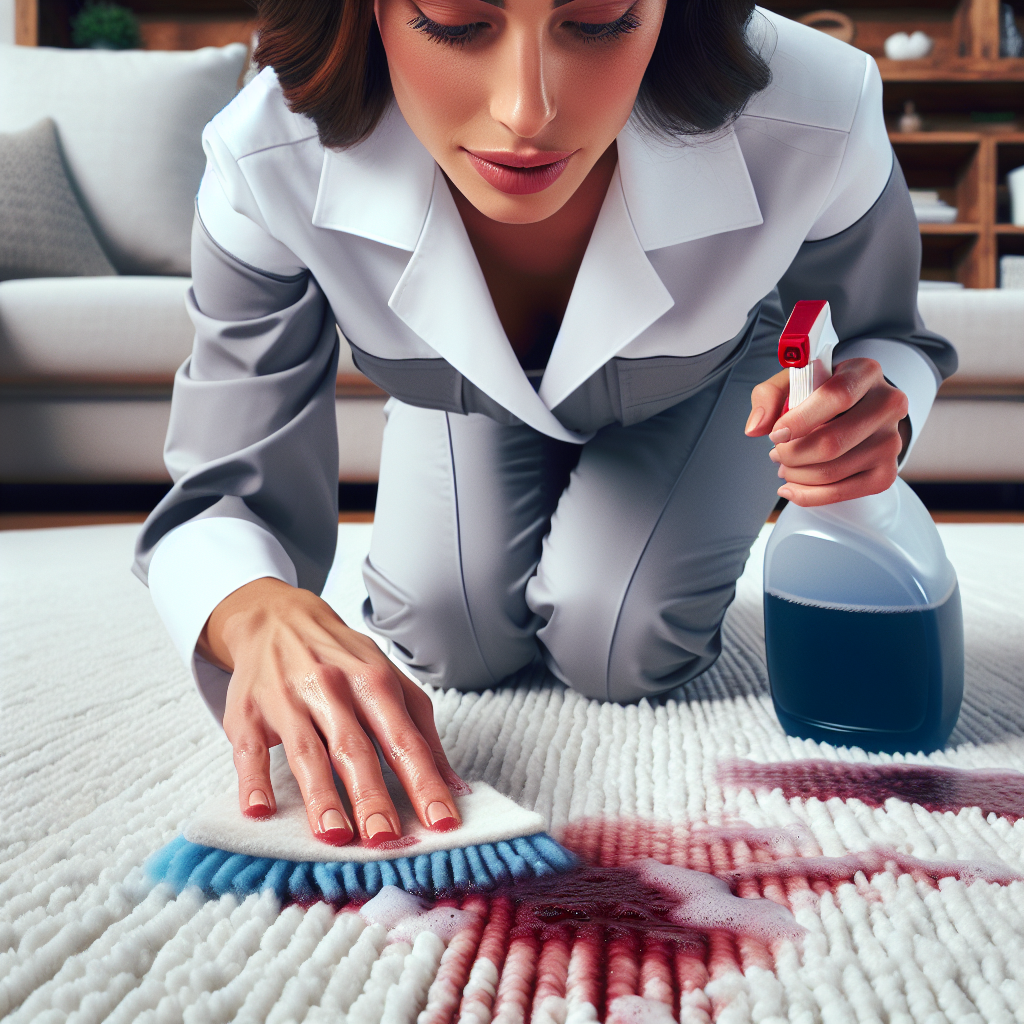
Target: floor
49,520
899,912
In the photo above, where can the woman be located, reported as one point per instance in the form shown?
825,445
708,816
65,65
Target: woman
562,235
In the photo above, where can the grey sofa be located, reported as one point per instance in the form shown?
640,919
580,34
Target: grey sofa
87,362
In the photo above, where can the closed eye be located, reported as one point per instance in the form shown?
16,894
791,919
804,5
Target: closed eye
453,35
591,32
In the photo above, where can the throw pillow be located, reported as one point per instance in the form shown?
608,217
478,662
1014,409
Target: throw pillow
43,231
131,125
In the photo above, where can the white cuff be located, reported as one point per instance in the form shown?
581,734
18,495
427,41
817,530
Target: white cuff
193,569
907,368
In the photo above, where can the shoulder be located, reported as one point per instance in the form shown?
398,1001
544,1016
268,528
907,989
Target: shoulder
258,119
817,81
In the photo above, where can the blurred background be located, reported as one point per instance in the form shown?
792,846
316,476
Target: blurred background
101,111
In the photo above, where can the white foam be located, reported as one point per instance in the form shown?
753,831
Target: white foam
390,906
443,922
705,902
638,1010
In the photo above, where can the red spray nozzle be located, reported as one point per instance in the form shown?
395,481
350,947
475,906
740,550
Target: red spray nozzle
795,343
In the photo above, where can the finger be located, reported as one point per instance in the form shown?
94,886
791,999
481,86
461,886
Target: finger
879,411
852,380
881,449
405,750
311,767
421,711
355,758
252,765
872,481
766,404
250,749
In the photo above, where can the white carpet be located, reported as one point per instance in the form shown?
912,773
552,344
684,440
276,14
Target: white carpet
106,751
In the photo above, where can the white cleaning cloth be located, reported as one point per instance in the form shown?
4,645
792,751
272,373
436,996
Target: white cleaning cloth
487,817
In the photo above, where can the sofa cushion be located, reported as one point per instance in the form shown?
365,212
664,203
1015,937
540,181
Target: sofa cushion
130,124
43,231
104,328
970,441
47,438
986,325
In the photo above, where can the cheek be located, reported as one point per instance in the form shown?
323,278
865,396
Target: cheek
436,86
601,91
599,88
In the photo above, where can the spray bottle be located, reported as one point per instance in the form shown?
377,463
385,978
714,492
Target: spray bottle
862,618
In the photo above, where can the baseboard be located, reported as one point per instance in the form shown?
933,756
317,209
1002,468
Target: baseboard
22,498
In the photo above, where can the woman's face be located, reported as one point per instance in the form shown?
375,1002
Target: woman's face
517,99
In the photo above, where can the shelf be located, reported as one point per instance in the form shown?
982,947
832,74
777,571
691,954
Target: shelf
1002,69
1010,229
956,228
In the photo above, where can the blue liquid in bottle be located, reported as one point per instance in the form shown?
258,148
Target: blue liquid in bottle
884,681
863,624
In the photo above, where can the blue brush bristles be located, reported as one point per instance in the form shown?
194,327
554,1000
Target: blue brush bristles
430,875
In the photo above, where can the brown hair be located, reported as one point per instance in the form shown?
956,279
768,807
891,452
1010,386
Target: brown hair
330,61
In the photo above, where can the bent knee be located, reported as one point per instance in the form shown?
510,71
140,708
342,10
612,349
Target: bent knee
441,639
647,654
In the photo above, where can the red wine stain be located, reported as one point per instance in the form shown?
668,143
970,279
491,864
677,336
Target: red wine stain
653,913
932,787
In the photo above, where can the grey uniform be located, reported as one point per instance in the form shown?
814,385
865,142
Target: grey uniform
597,521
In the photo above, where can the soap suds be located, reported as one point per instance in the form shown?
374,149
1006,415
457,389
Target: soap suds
391,905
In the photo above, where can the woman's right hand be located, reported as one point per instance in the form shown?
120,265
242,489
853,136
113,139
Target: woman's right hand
303,678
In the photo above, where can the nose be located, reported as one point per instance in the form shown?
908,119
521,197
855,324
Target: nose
521,97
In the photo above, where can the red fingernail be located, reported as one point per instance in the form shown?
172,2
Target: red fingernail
334,829
335,837
259,805
378,830
380,838
440,817
444,825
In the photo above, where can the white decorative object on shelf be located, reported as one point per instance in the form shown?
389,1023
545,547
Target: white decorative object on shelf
900,46
930,209
1015,179
910,120
1011,272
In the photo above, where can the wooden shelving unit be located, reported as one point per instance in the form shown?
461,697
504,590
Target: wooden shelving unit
971,101
968,170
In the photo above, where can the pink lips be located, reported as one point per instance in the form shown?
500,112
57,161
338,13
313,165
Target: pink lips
519,174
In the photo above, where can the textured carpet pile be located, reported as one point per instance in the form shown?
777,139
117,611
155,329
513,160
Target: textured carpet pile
106,750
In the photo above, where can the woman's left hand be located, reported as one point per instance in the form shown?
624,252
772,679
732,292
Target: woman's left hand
843,442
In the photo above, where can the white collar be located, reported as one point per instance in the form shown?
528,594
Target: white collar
389,189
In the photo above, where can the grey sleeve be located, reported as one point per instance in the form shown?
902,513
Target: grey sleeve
869,275
253,431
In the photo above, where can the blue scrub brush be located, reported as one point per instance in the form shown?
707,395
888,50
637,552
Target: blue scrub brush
498,844
442,873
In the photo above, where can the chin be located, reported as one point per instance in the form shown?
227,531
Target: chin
512,209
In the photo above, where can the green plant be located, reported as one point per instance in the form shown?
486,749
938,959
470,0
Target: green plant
105,26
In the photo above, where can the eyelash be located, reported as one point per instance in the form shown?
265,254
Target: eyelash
459,35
